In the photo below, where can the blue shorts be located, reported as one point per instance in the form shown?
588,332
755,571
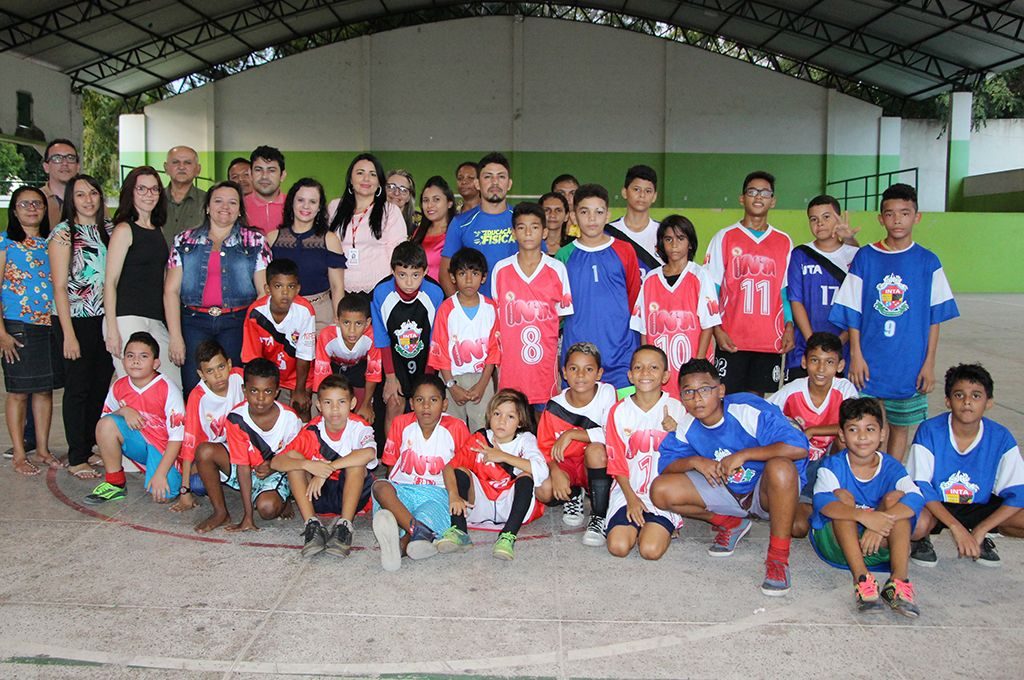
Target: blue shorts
329,501
807,492
145,454
428,503
275,481
619,520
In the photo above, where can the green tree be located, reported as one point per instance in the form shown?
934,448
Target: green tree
99,139
12,165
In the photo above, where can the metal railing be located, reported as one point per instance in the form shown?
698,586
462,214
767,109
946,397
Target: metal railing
870,186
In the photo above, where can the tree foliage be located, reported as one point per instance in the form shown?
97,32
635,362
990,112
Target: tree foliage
100,138
12,165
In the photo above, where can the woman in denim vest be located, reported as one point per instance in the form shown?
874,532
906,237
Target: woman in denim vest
214,273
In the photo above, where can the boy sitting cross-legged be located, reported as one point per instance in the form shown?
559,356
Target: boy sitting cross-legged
257,429
420,493
970,471
143,419
865,506
733,457
328,468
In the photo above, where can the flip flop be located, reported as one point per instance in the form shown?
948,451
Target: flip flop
85,474
32,470
49,461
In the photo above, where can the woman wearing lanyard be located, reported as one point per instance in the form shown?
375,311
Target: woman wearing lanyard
78,258
136,260
214,273
31,355
370,228
306,239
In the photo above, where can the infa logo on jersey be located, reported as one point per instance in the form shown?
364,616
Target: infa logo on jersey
891,296
958,489
741,474
409,339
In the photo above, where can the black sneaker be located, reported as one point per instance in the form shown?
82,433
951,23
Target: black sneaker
339,538
314,538
989,557
922,553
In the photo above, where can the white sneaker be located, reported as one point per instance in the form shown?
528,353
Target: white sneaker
572,511
594,535
385,528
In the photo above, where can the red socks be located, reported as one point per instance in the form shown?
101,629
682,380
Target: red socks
725,521
116,478
778,549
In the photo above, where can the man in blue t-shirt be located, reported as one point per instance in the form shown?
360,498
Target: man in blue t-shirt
488,227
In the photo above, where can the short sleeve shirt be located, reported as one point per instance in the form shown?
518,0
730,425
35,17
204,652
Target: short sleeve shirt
27,292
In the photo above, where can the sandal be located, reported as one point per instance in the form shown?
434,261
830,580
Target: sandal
25,467
84,471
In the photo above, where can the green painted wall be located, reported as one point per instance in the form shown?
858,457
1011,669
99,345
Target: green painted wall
956,170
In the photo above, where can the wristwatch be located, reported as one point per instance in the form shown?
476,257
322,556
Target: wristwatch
184,490
451,383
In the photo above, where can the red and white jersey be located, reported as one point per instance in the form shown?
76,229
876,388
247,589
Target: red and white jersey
672,317
206,414
529,308
795,401
315,442
333,355
496,479
560,416
250,445
463,345
632,438
750,272
158,402
415,459
283,343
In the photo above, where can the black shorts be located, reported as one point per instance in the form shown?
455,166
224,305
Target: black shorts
795,373
329,502
744,371
969,514
619,519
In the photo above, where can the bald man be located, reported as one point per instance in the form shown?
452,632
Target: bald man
185,201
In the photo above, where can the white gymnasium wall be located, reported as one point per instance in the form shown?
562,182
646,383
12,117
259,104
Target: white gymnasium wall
56,111
532,85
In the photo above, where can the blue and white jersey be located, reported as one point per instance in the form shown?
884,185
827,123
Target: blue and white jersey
893,298
890,475
404,327
815,286
491,234
749,421
992,464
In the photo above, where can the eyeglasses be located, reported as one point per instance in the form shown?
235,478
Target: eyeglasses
143,190
25,205
763,193
396,189
704,392
62,158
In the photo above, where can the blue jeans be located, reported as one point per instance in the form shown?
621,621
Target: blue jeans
196,327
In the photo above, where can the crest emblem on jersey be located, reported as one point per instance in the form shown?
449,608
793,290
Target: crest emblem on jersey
958,489
409,340
741,475
891,296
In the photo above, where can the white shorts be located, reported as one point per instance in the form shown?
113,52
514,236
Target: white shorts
488,514
721,501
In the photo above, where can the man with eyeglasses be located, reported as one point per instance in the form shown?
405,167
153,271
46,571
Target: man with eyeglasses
60,163
185,201
748,262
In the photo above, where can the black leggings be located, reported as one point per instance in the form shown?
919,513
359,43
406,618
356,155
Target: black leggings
522,494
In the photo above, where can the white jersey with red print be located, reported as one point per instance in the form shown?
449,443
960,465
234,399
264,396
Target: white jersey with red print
333,355
315,442
632,437
529,308
750,272
795,401
560,416
250,445
493,483
672,317
463,345
206,414
282,343
159,404
415,459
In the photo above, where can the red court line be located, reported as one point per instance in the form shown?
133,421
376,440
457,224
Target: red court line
51,484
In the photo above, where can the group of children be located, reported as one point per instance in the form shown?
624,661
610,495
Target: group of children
661,417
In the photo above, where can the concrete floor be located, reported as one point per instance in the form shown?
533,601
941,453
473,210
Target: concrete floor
129,591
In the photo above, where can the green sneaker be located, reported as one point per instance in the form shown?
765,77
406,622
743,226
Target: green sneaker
505,546
454,540
103,493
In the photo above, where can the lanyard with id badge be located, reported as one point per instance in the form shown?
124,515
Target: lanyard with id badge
352,254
